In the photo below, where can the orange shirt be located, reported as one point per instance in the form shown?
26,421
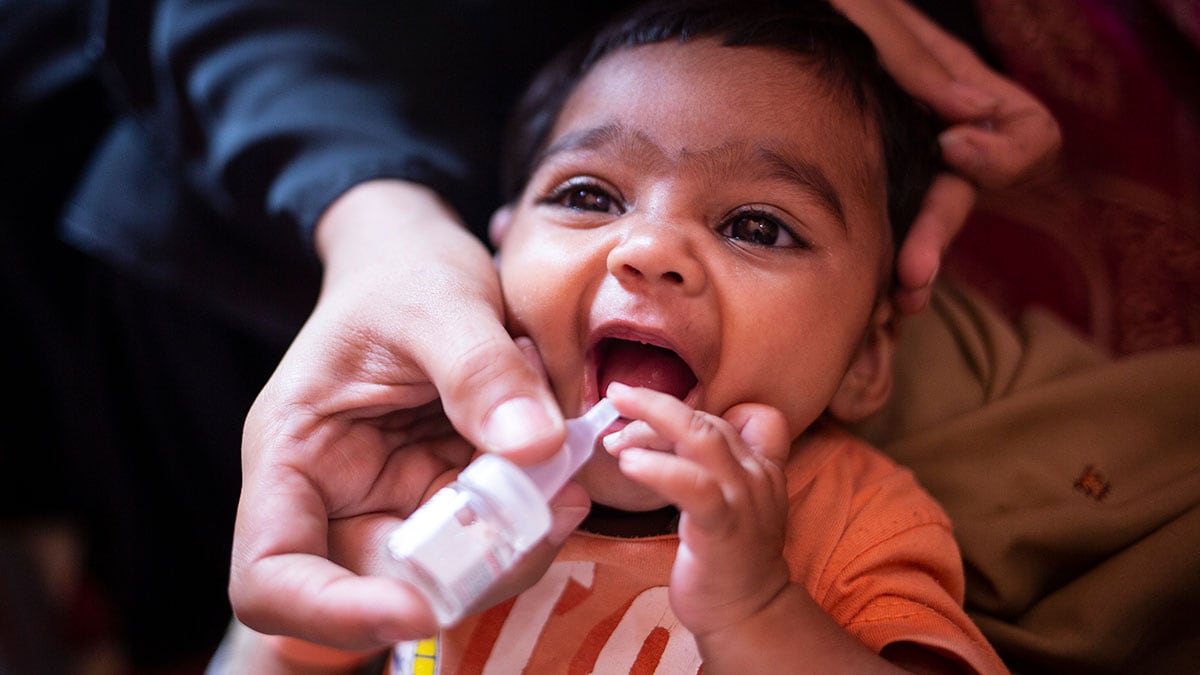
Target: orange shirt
870,546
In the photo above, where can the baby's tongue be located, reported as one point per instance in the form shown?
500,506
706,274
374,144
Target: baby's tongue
642,365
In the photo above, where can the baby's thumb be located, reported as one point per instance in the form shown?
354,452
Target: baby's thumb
763,428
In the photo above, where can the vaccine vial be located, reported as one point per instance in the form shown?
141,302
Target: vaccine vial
461,541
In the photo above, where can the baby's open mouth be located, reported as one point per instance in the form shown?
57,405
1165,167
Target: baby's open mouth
642,365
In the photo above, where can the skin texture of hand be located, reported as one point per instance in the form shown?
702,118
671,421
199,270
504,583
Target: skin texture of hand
726,477
998,134
410,309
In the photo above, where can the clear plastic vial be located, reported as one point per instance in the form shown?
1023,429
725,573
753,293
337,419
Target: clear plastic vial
472,531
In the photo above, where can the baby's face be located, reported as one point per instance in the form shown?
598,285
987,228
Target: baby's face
707,221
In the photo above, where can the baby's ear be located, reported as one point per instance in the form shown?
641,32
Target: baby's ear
498,226
868,381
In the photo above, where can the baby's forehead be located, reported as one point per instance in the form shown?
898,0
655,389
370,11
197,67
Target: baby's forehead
724,107
767,88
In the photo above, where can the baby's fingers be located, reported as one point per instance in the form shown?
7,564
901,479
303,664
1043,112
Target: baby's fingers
636,434
763,429
682,482
695,435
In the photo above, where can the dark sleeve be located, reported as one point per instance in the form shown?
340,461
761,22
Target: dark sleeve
270,110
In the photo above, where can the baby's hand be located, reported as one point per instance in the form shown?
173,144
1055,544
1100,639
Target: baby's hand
726,476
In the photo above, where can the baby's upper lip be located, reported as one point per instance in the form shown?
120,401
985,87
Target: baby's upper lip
633,331
623,330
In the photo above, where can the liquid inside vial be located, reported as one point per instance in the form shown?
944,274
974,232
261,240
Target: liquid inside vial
458,544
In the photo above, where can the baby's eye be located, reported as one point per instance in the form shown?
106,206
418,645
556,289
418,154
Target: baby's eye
760,229
584,197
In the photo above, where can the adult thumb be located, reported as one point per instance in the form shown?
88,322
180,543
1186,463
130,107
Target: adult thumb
497,398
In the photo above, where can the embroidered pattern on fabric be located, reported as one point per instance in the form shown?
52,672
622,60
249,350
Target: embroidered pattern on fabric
1093,483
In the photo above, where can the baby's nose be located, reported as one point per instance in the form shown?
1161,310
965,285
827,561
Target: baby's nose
658,256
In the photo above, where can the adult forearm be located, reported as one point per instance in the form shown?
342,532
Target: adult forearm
389,222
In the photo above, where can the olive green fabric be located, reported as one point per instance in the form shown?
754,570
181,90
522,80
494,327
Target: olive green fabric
1073,481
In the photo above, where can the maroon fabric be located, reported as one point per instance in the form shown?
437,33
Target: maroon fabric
1111,238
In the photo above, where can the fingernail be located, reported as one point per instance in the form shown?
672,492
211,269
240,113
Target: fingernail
950,139
617,388
932,276
958,150
516,423
564,520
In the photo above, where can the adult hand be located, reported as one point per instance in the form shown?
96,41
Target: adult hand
357,541
998,133
410,311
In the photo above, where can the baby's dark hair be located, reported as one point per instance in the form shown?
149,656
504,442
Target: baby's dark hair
811,29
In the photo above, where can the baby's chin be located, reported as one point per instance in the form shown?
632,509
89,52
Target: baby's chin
606,485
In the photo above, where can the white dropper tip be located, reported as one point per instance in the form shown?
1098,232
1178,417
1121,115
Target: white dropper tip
582,434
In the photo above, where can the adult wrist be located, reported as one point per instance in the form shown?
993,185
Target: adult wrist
365,218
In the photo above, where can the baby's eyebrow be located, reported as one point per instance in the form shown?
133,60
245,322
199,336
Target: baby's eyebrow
582,139
627,142
807,175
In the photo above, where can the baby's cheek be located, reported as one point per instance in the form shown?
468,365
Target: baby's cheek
524,296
